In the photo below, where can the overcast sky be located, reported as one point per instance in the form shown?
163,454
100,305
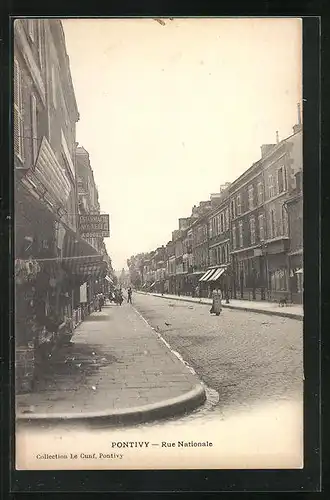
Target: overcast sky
168,113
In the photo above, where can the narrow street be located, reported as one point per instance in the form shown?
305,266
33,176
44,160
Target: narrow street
252,367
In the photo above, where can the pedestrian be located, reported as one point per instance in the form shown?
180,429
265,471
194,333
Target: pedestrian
216,302
129,295
101,302
96,303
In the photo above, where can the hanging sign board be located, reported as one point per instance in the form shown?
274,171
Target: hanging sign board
94,226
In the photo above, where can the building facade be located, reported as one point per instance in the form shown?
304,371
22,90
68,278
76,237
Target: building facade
247,233
248,238
279,167
294,207
219,246
46,203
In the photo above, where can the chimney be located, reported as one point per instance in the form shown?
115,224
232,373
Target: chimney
298,126
277,137
299,114
266,148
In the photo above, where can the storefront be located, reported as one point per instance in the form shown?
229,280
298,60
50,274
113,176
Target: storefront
51,262
278,271
249,275
193,279
216,277
296,278
82,264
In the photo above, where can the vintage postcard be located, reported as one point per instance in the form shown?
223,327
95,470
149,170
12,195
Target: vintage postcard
158,243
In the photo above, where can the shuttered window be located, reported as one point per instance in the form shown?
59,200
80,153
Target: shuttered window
252,230
53,83
34,127
261,228
240,229
271,187
234,236
18,115
251,197
239,204
31,29
40,43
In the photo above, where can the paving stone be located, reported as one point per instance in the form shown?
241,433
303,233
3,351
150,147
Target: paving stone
119,363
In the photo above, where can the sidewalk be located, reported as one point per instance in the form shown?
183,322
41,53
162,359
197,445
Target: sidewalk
117,369
294,311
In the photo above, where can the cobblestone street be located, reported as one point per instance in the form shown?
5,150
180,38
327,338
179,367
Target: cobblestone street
246,357
253,361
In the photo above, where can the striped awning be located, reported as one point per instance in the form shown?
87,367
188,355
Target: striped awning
80,258
108,279
206,275
153,284
218,272
85,266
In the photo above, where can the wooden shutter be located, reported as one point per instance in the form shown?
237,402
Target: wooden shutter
34,127
31,27
40,42
53,83
18,122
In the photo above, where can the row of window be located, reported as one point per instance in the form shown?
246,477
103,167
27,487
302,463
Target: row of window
274,187
252,224
220,255
200,234
18,117
35,32
276,227
219,224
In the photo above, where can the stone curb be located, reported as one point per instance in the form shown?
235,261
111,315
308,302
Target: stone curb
136,415
270,312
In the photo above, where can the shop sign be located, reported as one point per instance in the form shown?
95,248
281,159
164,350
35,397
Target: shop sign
94,225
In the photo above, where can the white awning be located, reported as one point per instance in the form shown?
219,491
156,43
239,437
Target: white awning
207,275
216,275
108,279
300,271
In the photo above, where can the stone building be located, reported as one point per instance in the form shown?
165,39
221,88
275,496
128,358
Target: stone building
88,199
218,273
171,268
279,168
294,207
46,204
247,216
248,238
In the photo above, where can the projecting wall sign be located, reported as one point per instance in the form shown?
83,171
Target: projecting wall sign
94,225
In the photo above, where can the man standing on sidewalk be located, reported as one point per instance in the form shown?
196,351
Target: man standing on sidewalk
129,295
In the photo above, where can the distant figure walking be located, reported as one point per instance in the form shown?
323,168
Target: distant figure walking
96,303
119,297
129,295
101,302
